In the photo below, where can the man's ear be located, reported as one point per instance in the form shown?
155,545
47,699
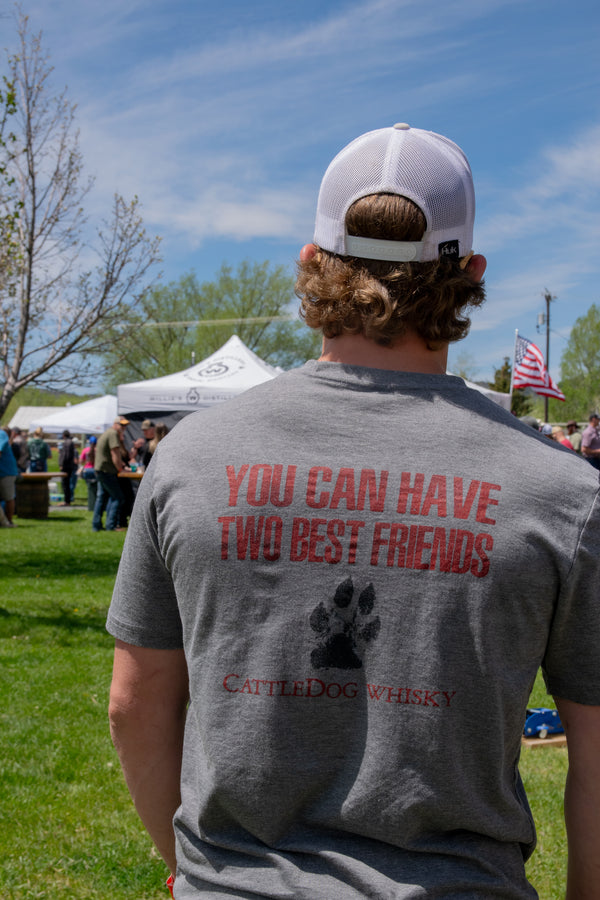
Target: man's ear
476,267
307,252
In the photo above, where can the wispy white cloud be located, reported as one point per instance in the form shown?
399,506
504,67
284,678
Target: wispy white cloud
560,199
367,29
222,121
545,235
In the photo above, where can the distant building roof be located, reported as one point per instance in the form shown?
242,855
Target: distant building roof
26,414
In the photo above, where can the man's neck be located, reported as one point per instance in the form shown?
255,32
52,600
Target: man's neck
407,354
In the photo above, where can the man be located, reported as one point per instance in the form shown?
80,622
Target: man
590,441
345,627
67,463
109,462
8,476
574,435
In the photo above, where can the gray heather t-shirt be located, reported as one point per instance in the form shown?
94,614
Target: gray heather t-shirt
364,598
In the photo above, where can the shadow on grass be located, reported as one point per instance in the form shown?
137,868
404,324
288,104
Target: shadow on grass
63,628
63,547
56,580
49,563
63,619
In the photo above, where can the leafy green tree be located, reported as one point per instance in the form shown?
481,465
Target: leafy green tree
185,321
464,365
141,348
520,403
54,313
580,367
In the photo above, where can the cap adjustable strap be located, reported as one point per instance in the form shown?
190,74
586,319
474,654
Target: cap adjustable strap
392,251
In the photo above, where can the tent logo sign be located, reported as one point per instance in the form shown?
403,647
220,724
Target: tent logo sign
217,368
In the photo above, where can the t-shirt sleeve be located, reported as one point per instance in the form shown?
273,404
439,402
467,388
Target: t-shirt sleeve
571,664
144,610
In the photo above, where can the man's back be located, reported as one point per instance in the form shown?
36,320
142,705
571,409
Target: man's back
364,611
107,441
356,613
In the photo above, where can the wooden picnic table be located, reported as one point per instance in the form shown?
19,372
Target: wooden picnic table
33,495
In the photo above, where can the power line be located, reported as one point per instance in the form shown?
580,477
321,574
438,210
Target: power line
251,319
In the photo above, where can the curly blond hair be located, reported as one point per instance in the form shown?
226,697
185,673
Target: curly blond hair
383,300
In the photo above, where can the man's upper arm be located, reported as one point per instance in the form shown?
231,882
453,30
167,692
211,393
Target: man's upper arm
147,679
582,728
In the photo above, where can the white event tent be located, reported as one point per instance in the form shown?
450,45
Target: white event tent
229,371
498,397
90,417
226,373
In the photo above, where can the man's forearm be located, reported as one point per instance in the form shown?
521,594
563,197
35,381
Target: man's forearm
583,832
151,764
582,799
148,702
587,451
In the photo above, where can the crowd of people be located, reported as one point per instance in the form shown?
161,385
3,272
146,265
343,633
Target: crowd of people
115,496
99,464
585,444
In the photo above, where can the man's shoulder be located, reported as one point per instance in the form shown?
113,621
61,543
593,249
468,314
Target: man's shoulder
109,435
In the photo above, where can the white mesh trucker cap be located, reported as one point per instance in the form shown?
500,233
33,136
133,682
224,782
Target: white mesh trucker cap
425,167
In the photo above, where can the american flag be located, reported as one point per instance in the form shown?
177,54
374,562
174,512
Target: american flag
529,370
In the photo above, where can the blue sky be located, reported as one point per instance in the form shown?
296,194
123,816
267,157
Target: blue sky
223,117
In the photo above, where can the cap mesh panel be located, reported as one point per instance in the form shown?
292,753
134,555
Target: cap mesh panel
425,167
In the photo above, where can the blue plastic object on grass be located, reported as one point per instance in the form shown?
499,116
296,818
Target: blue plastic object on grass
541,721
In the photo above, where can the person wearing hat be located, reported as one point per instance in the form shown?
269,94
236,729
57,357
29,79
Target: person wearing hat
109,462
590,441
559,436
327,626
574,435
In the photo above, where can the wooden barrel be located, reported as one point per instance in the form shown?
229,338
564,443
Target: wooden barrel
32,498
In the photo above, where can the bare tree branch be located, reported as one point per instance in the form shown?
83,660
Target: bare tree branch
54,312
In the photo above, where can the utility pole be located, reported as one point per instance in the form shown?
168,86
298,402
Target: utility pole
545,319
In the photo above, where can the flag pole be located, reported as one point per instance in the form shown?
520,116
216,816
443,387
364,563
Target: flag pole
512,368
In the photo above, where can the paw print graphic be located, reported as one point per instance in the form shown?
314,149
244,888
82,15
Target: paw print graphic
344,628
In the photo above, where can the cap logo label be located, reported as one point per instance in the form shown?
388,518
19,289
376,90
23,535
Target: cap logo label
449,248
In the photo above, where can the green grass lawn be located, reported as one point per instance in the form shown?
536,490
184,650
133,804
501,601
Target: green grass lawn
68,829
